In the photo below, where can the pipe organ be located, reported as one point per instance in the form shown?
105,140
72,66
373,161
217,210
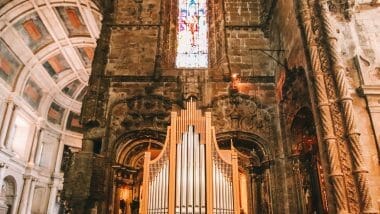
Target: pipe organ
191,174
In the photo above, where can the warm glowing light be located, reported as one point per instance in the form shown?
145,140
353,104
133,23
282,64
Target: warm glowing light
192,44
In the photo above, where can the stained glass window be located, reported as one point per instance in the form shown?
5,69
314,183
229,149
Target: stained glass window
192,44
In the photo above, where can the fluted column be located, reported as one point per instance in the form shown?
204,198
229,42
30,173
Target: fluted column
9,112
345,100
329,138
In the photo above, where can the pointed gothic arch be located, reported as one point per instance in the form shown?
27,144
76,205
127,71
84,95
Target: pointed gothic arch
307,164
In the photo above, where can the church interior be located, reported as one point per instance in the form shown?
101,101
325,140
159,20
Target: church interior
189,106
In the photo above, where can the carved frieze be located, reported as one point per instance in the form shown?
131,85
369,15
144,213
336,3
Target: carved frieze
241,112
142,112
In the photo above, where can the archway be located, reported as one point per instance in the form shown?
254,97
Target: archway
128,172
307,167
254,173
8,195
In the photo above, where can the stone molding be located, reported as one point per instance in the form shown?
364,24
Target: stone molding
330,84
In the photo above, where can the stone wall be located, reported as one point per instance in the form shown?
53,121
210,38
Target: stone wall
244,56
242,12
261,74
132,51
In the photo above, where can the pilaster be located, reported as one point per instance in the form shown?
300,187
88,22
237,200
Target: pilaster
8,117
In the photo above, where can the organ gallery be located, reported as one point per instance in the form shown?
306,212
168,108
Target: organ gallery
189,106
191,174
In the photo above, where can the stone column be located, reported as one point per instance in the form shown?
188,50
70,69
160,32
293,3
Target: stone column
3,106
36,141
58,161
25,194
52,197
56,177
31,195
6,121
338,69
40,145
250,193
117,199
329,139
10,131
259,199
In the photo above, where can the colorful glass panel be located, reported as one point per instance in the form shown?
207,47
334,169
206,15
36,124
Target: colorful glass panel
192,44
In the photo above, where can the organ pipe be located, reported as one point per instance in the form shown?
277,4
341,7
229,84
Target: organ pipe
191,174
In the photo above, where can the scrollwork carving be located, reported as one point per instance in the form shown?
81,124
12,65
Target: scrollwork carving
241,113
138,113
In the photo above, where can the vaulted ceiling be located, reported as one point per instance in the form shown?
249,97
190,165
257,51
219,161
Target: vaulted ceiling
46,50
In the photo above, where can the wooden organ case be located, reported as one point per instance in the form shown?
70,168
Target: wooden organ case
191,174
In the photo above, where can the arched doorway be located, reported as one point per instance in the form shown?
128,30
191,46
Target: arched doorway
307,168
128,173
8,195
254,173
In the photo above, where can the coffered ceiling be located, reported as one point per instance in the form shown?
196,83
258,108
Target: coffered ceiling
46,49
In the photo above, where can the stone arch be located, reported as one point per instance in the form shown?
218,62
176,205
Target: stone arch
127,171
302,128
133,150
254,166
306,163
128,140
138,115
8,194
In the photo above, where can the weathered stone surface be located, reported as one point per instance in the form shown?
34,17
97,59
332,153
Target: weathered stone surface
132,51
279,89
138,12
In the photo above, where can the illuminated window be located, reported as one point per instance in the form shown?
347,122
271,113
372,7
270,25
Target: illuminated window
192,44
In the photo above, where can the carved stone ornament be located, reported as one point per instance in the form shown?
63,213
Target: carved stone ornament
241,113
337,118
142,112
